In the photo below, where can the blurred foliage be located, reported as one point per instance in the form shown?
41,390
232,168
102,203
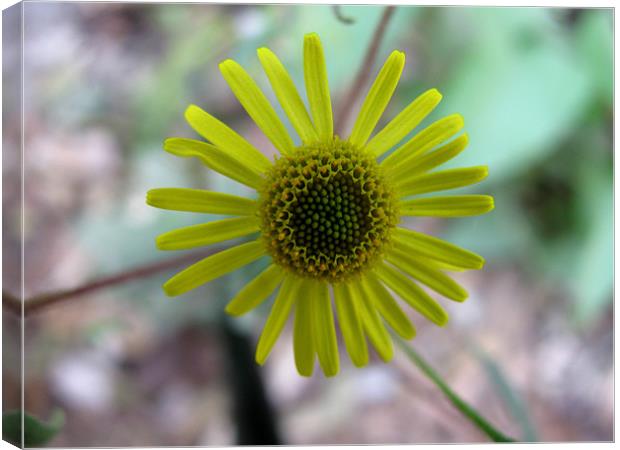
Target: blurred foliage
511,398
36,433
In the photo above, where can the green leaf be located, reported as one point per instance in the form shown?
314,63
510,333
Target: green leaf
592,270
36,433
470,413
594,36
513,401
520,86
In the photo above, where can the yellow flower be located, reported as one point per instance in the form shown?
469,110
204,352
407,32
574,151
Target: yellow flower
327,211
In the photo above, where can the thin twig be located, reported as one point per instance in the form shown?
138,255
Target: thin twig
39,302
364,71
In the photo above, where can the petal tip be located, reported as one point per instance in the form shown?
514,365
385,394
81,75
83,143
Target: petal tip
260,357
191,110
227,66
410,334
331,373
459,120
170,290
360,364
462,296
262,53
159,242
434,92
149,197
443,320
483,172
312,35
398,54
232,311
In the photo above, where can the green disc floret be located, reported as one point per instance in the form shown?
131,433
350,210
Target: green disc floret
326,211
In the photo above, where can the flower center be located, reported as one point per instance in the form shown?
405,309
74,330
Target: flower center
326,211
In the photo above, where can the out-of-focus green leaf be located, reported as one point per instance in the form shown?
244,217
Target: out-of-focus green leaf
592,274
36,433
513,401
594,36
519,87
470,413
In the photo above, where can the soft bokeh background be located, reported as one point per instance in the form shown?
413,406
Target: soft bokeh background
106,83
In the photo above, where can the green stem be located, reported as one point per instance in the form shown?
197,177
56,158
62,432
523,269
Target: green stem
470,413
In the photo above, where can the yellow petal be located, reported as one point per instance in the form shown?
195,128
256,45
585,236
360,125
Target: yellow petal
404,122
201,201
302,335
387,307
448,206
371,322
436,249
412,294
256,104
256,291
433,135
428,161
428,275
287,94
207,233
317,88
213,267
324,330
350,324
378,98
289,292
215,159
225,138
442,180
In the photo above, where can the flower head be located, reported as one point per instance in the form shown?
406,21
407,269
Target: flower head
327,212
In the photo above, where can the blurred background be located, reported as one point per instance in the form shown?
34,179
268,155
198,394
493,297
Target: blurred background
105,83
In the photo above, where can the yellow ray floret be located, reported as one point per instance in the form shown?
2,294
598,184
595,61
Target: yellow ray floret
200,201
207,233
256,291
216,159
304,336
315,74
213,267
257,105
404,122
378,98
287,95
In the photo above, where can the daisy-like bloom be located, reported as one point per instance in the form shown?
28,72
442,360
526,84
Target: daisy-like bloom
327,212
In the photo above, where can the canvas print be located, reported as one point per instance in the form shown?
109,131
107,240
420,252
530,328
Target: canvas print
296,224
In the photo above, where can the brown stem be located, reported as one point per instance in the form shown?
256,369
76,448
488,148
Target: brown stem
38,302
364,71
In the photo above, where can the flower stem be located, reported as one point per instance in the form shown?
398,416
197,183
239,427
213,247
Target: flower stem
470,413
364,71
